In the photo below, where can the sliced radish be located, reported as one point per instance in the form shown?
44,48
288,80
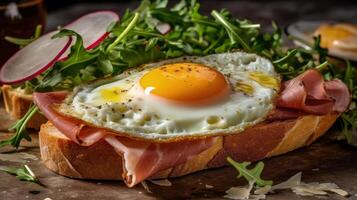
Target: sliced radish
34,59
41,54
93,27
163,28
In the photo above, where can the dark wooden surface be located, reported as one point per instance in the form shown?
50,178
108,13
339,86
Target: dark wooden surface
335,162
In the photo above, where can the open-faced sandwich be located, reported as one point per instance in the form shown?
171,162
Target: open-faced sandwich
170,91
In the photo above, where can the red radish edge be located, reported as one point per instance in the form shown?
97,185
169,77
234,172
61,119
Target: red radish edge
58,57
54,60
92,46
99,11
50,64
100,39
97,42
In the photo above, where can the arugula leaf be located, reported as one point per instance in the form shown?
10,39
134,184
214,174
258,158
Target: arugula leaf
348,119
286,58
162,14
136,57
231,30
78,58
105,66
22,42
20,129
251,175
66,74
151,43
125,32
23,174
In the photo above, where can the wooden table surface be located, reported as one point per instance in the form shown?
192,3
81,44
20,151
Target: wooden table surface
324,161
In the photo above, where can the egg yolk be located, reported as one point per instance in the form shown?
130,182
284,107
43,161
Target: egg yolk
113,94
185,82
330,34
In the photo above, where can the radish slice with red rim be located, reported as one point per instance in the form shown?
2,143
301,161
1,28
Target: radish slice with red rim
41,54
34,59
93,27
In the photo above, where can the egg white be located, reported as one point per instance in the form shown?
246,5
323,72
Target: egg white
137,114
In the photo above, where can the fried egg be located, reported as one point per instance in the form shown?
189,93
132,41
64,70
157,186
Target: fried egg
186,97
340,39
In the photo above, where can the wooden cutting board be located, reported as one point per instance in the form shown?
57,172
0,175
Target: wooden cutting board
324,161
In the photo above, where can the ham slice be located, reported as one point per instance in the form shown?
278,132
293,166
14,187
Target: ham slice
73,128
309,93
141,159
338,91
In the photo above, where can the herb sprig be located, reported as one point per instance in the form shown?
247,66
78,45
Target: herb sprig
23,173
22,42
251,175
20,129
348,120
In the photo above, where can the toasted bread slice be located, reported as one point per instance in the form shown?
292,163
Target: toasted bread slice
100,161
17,103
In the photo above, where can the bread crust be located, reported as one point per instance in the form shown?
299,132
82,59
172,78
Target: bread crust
17,104
100,161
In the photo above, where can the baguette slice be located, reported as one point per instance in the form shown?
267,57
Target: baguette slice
100,161
17,103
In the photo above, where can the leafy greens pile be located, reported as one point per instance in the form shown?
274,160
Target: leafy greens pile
154,32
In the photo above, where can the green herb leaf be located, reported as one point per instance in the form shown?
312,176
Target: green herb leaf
78,58
125,32
286,58
20,129
348,123
23,174
22,42
231,30
251,175
104,64
64,75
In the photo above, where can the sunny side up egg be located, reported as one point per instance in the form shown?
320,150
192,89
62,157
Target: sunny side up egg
182,97
340,39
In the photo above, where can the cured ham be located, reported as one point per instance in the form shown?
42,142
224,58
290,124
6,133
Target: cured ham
311,94
74,129
141,159
338,91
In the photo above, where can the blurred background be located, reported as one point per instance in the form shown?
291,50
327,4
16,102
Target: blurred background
19,18
260,11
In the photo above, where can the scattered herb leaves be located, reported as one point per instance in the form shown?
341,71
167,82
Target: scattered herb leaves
251,175
23,173
20,129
